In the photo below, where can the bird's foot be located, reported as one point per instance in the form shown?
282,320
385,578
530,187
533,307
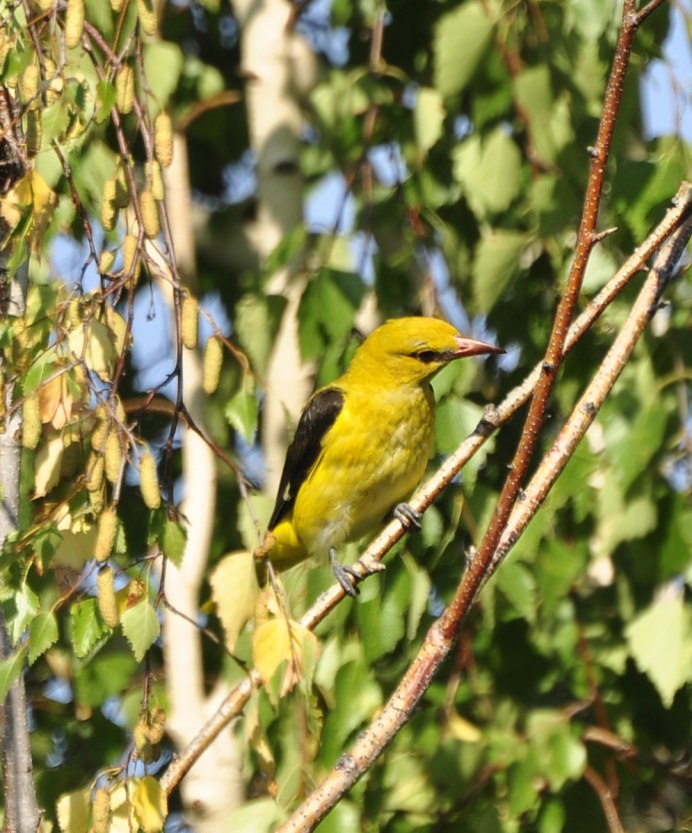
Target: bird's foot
346,576
410,519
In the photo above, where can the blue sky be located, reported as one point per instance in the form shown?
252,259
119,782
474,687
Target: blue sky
667,89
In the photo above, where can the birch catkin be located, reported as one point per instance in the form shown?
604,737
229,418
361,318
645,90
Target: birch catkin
149,482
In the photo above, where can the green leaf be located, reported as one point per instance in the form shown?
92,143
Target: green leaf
522,789
591,18
428,116
599,270
555,752
105,97
499,171
10,669
163,62
87,628
41,369
43,632
549,119
381,616
104,676
356,697
495,264
567,758
210,82
489,171
456,419
100,14
173,540
327,310
242,410
26,606
461,39
419,593
140,626
660,642
552,818
631,443
519,587
40,303
257,319
287,249
260,815
53,121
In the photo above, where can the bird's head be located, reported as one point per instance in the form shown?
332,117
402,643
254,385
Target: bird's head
415,349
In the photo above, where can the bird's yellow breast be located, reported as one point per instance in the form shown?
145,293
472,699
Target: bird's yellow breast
372,458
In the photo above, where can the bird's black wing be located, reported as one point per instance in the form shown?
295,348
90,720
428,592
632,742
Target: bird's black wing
317,418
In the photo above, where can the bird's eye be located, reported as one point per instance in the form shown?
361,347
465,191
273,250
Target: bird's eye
425,356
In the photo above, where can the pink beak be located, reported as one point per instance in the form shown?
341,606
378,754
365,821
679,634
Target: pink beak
473,347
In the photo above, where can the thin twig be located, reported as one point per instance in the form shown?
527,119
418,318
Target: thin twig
610,811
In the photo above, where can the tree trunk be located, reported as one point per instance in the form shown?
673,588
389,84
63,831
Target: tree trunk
278,64
21,808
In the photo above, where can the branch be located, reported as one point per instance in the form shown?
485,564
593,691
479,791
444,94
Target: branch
586,238
593,397
610,811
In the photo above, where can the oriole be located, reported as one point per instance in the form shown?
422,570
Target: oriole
362,443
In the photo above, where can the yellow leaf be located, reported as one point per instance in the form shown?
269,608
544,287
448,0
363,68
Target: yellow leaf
234,590
30,194
55,401
47,467
118,327
73,812
122,815
16,201
271,645
461,729
150,805
95,342
44,200
76,548
277,641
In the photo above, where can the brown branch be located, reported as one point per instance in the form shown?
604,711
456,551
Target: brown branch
599,706
593,397
603,737
629,753
475,576
610,811
223,99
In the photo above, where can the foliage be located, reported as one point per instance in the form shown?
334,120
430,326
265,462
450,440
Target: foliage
463,149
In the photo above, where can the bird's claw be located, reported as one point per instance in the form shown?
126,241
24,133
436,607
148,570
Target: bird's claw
346,576
407,515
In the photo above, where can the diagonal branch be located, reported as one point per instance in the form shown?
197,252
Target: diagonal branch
593,397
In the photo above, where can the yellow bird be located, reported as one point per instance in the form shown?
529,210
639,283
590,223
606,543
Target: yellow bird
363,443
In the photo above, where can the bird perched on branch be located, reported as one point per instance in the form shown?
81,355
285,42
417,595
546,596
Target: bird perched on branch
362,443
